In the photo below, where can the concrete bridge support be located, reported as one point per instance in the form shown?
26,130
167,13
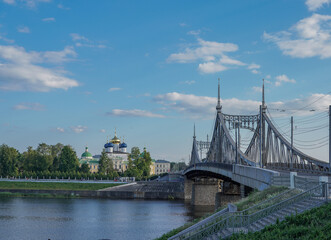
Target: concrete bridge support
188,185
204,192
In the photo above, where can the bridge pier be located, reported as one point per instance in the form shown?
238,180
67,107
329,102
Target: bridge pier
188,185
204,191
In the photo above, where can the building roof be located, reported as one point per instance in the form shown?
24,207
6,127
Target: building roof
162,161
86,154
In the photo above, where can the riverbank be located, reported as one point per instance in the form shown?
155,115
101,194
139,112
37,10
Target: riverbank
140,190
74,186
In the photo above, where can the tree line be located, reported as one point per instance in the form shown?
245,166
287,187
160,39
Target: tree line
61,161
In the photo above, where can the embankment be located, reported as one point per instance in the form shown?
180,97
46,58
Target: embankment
140,190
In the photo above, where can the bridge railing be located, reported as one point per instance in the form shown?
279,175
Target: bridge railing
243,219
225,166
202,224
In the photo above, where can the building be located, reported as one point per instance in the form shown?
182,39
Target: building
93,163
162,166
152,172
117,152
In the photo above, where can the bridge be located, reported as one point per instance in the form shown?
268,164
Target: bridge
228,172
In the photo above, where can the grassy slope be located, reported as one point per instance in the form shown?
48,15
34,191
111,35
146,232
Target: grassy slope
254,198
313,224
55,185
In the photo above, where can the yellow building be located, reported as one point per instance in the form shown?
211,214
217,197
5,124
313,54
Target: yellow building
152,167
93,163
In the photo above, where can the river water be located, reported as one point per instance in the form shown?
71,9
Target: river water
99,219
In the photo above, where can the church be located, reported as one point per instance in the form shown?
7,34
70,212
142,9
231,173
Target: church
117,152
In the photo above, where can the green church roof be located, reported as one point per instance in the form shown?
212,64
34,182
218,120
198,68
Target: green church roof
86,154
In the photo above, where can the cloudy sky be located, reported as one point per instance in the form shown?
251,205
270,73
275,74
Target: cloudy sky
73,71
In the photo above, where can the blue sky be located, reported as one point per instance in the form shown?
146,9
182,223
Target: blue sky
73,71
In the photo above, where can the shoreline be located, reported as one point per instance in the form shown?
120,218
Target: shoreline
91,194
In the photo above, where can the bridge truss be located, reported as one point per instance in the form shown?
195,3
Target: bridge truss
267,147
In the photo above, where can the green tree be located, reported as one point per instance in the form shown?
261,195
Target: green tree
8,160
55,152
85,168
68,160
135,153
105,164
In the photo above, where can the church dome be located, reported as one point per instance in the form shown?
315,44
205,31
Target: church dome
123,145
107,145
86,154
116,140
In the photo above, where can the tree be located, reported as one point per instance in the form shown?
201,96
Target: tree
135,153
37,160
85,168
105,164
139,163
8,160
68,159
55,152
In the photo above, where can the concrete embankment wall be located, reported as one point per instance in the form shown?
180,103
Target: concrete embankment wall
162,191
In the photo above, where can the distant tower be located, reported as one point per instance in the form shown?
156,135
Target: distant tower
219,106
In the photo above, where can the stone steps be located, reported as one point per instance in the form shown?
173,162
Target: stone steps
296,208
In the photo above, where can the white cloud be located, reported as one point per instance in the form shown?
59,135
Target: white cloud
30,106
310,37
59,129
82,41
268,76
194,32
28,3
302,106
62,7
313,5
206,50
202,106
254,71
213,55
283,78
114,89
253,66
78,37
78,129
50,19
19,72
11,2
23,29
183,24
102,130
7,40
211,67
134,113
194,106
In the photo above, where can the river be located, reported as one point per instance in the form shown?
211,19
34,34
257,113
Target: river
91,219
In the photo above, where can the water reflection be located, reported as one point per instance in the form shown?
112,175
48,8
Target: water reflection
37,218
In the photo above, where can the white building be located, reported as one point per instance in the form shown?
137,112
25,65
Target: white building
162,166
117,152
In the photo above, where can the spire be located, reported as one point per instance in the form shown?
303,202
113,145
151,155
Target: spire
263,100
219,107
194,131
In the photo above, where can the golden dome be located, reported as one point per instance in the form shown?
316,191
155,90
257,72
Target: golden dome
116,140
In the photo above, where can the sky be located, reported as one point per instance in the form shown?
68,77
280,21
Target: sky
74,71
